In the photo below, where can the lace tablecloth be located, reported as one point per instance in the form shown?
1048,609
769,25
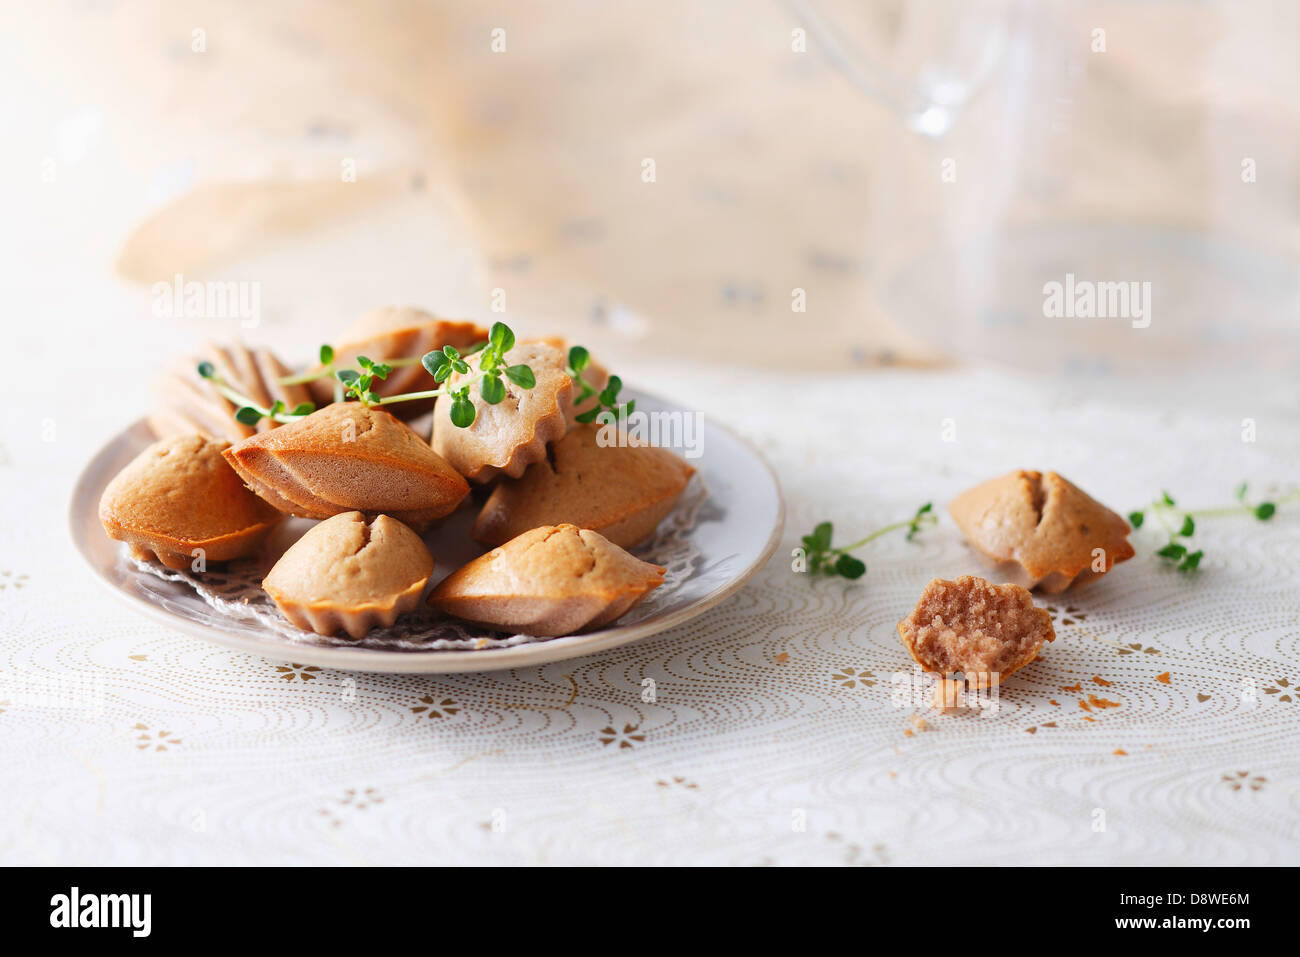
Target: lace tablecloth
1160,727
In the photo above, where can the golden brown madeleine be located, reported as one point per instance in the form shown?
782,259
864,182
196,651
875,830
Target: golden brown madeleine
553,580
185,403
347,457
179,495
349,575
622,490
1043,531
506,438
971,626
397,332
595,375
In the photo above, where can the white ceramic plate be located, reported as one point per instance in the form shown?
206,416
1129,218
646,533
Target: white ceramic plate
735,533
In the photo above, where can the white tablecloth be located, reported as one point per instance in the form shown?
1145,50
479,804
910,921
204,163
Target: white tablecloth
1160,727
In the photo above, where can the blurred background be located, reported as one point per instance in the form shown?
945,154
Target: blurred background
827,225
801,184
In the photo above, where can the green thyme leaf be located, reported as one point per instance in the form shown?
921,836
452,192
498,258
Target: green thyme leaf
609,395
462,412
849,567
522,376
436,363
492,389
579,358
501,338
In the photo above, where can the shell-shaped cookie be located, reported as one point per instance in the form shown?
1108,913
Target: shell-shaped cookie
506,438
595,375
347,574
596,477
185,403
348,457
553,580
179,496
397,332
1043,531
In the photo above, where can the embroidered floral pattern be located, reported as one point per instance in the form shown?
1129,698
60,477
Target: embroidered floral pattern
1139,647
1243,779
352,800
147,740
1282,688
1067,616
855,855
431,707
296,672
853,678
9,580
678,782
625,738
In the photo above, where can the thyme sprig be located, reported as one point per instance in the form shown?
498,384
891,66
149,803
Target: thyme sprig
824,559
441,363
359,383
248,411
607,408
1180,524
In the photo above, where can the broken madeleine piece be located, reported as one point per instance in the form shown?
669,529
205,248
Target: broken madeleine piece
397,332
1042,531
185,403
549,581
349,575
974,627
346,457
506,438
179,497
622,490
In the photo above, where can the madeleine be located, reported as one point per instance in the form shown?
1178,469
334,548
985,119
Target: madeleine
347,574
622,490
185,403
179,497
349,457
553,580
397,332
506,438
1042,531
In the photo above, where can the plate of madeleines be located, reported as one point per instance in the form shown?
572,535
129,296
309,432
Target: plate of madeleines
425,495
